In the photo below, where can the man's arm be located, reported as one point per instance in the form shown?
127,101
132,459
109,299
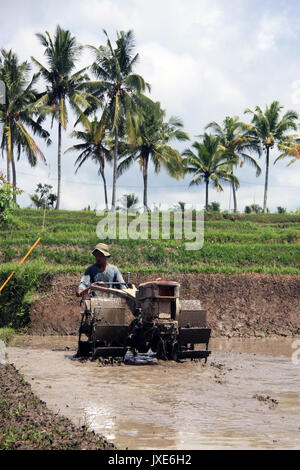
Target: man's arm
119,278
85,282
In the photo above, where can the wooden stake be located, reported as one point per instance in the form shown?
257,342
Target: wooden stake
21,262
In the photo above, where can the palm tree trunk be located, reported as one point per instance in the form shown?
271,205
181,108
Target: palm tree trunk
113,202
234,198
8,168
14,177
58,167
13,166
105,190
266,180
145,178
206,194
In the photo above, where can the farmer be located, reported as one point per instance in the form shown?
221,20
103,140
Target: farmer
101,271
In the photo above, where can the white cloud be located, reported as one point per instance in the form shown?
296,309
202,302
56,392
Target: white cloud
271,30
295,92
179,80
26,44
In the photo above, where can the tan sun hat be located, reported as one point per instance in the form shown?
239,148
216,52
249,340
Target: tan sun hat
102,248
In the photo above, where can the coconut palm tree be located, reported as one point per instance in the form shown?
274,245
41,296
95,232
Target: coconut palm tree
63,83
121,88
21,114
207,162
93,146
234,137
153,137
291,150
180,206
129,203
269,129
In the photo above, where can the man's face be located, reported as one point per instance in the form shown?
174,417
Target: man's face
100,258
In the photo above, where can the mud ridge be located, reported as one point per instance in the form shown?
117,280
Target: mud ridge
242,305
27,424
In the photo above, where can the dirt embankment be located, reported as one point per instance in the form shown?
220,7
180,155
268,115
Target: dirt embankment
237,305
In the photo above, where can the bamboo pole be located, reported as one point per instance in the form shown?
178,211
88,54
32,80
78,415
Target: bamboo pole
21,262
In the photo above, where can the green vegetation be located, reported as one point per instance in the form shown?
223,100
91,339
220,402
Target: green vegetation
92,146
63,83
43,198
21,114
153,144
271,129
120,87
6,334
235,139
210,164
7,203
234,243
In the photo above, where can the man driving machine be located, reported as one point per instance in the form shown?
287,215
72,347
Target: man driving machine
101,271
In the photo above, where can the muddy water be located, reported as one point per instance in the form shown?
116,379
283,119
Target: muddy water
247,396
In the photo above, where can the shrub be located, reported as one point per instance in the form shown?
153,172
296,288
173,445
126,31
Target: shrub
7,192
214,207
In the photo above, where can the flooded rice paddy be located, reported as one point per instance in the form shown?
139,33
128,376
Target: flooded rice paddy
247,396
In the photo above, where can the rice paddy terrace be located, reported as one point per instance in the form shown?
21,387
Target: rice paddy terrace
243,243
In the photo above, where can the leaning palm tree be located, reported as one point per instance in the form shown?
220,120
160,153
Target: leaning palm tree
153,137
270,130
21,115
121,88
93,146
207,162
290,150
234,138
63,83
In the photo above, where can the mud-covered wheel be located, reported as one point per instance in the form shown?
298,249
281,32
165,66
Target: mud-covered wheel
84,349
165,350
143,348
174,352
139,339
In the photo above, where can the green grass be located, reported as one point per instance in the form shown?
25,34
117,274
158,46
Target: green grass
238,242
6,334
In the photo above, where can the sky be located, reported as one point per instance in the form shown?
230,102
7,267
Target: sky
204,60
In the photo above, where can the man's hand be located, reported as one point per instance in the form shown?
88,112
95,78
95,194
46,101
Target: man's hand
79,293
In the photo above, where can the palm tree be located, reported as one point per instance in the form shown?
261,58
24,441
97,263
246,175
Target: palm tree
121,88
180,206
129,202
93,146
208,162
43,198
153,136
21,114
234,138
291,150
270,130
62,83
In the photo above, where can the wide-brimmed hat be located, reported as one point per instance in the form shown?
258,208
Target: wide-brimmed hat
102,248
